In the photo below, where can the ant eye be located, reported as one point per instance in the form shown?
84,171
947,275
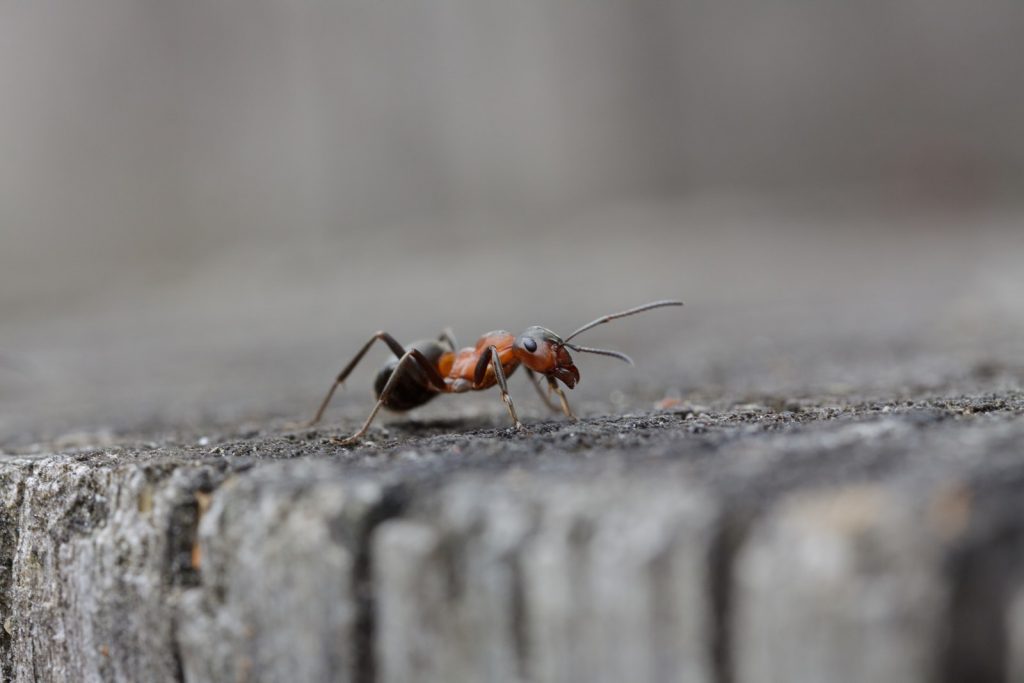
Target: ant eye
529,344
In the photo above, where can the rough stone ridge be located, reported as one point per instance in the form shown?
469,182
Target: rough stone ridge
546,580
857,541
93,552
847,581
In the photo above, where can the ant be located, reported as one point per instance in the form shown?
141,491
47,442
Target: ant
425,369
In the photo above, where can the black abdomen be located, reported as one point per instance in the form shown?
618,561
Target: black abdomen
412,388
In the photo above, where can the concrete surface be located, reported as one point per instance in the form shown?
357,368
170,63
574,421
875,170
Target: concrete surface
812,474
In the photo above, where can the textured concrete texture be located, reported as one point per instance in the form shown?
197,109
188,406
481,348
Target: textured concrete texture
814,474
860,543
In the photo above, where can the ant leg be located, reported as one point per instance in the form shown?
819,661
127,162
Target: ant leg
413,356
396,349
491,356
434,377
448,337
561,397
540,392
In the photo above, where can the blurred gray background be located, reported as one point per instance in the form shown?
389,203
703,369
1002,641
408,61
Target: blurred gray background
206,206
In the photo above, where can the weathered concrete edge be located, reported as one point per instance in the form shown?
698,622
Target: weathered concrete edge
533,578
146,570
93,552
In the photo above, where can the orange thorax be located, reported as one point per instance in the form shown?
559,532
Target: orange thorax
459,367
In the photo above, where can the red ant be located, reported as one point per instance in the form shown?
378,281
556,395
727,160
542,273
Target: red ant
424,369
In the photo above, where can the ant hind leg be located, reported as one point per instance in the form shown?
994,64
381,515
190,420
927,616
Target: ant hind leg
410,357
396,349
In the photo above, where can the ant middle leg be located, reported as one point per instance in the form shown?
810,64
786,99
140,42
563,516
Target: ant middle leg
396,349
448,337
561,397
490,356
540,391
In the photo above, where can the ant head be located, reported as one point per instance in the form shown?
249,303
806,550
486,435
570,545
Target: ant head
543,351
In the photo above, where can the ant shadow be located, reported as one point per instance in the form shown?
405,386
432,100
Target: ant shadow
433,426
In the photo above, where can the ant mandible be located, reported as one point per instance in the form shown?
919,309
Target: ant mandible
425,369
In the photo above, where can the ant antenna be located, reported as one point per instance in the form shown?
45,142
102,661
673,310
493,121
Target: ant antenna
613,316
602,352
605,318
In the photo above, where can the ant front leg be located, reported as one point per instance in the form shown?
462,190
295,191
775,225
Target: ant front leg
396,349
561,397
491,356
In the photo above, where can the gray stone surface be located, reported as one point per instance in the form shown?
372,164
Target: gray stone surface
845,581
94,551
281,598
532,579
861,541
813,473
